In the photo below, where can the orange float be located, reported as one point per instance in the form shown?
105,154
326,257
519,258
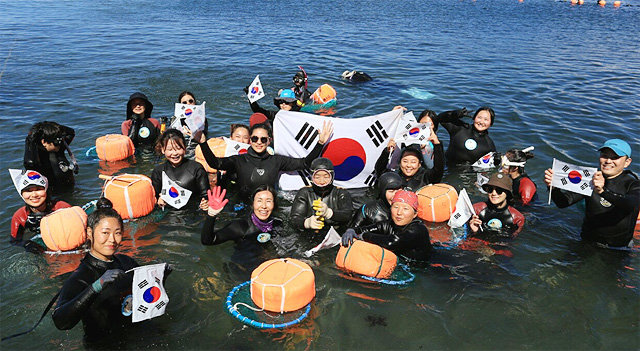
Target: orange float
617,3
282,285
218,146
367,259
132,195
436,202
64,229
324,94
114,147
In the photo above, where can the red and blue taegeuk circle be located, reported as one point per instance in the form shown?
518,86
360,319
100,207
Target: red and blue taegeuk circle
348,158
574,177
173,192
486,158
188,112
414,131
242,151
152,294
255,90
33,175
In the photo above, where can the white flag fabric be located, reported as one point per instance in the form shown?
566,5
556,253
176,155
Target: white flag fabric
354,147
332,239
485,161
22,179
149,297
193,116
172,193
480,181
577,179
463,212
255,90
234,147
411,132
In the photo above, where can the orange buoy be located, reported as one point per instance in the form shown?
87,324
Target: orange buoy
282,285
367,259
436,202
64,229
580,2
324,94
602,2
132,195
573,2
218,146
617,3
114,147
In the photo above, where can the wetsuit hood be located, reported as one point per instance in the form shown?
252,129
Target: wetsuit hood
148,105
388,180
322,164
413,149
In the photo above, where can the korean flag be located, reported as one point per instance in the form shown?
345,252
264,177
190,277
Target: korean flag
149,297
255,90
411,132
191,116
573,178
172,193
463,212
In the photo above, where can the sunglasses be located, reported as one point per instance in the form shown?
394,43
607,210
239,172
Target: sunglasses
190,101
489,189
262,139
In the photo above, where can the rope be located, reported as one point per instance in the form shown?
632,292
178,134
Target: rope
392,282
46,310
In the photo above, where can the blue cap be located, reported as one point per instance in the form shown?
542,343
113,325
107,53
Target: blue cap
620,147
287,94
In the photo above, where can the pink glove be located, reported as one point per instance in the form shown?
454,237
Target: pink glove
216,200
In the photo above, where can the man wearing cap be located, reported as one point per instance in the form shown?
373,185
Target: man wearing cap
404,234
612,209
495,216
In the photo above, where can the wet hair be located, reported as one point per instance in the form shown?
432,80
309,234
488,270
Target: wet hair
268,188
515,155
431,114
104,209
488,109
47,130
264,126
168,135
235,126
186,92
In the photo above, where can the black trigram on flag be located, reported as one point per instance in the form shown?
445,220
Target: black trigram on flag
457,215
160,304
370,179
306,135
586,172
584,186
158,280
563,181
305,175
377,133
143,309
142,284
565,168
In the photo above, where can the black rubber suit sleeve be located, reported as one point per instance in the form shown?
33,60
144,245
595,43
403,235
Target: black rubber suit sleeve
225,163
235,229
75,299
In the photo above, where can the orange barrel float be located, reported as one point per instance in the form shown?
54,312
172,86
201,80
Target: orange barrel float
324,94
114,147
367,259
282,285
132,195
436,202
64,229
218,146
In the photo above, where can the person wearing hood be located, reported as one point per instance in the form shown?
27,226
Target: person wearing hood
258,166
468,142
513,161
494,217
139,126
300,84
286,101
411,166
404,233
379,209
321,205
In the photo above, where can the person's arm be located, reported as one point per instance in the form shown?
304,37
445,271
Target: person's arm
434,175
271,115
299,210
342,213
527,190
31,159
68,134
381,163
624,202
561,198
202,181
234,230
224,163
380,234
17,225
518,221
125,127
450,120
156,180
358,217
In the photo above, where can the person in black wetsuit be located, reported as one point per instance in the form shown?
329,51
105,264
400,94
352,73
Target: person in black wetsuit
524,189
300,83
44,150
96,291
189,174
139,126
379,209
612,209
286,100
321,205
495,219
404,234
259,167
468,142
187,98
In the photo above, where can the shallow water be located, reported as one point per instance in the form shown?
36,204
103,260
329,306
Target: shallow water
562,78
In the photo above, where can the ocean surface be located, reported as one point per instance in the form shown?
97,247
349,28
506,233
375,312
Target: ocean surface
562,78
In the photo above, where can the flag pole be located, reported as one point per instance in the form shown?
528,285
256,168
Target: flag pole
553,165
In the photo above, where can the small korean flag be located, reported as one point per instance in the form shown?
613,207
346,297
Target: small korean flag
480,181
485,161
411,132
255,90
193,116
172,193
573,178
149,297
463,212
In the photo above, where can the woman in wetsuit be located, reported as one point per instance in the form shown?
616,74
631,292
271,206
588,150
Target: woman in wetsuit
286,100
404,234
189,174
379,209
494,218
187,98
259,167
139,126
33,187
44,152
96,293
513,161
469,142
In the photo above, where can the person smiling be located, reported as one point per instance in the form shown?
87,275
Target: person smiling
187,98
468,142
139,126
612,209
495,216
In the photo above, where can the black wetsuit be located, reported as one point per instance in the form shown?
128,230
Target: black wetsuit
372,211
143,132
411,240
241,230
253,169
302,93
423,176
466,144
271,115
101,313
609,217
498,223
189,174
337,199
54,165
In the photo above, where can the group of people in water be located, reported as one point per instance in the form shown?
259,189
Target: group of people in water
93,293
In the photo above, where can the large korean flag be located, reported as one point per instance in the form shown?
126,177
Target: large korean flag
149,297
353,148
573,178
